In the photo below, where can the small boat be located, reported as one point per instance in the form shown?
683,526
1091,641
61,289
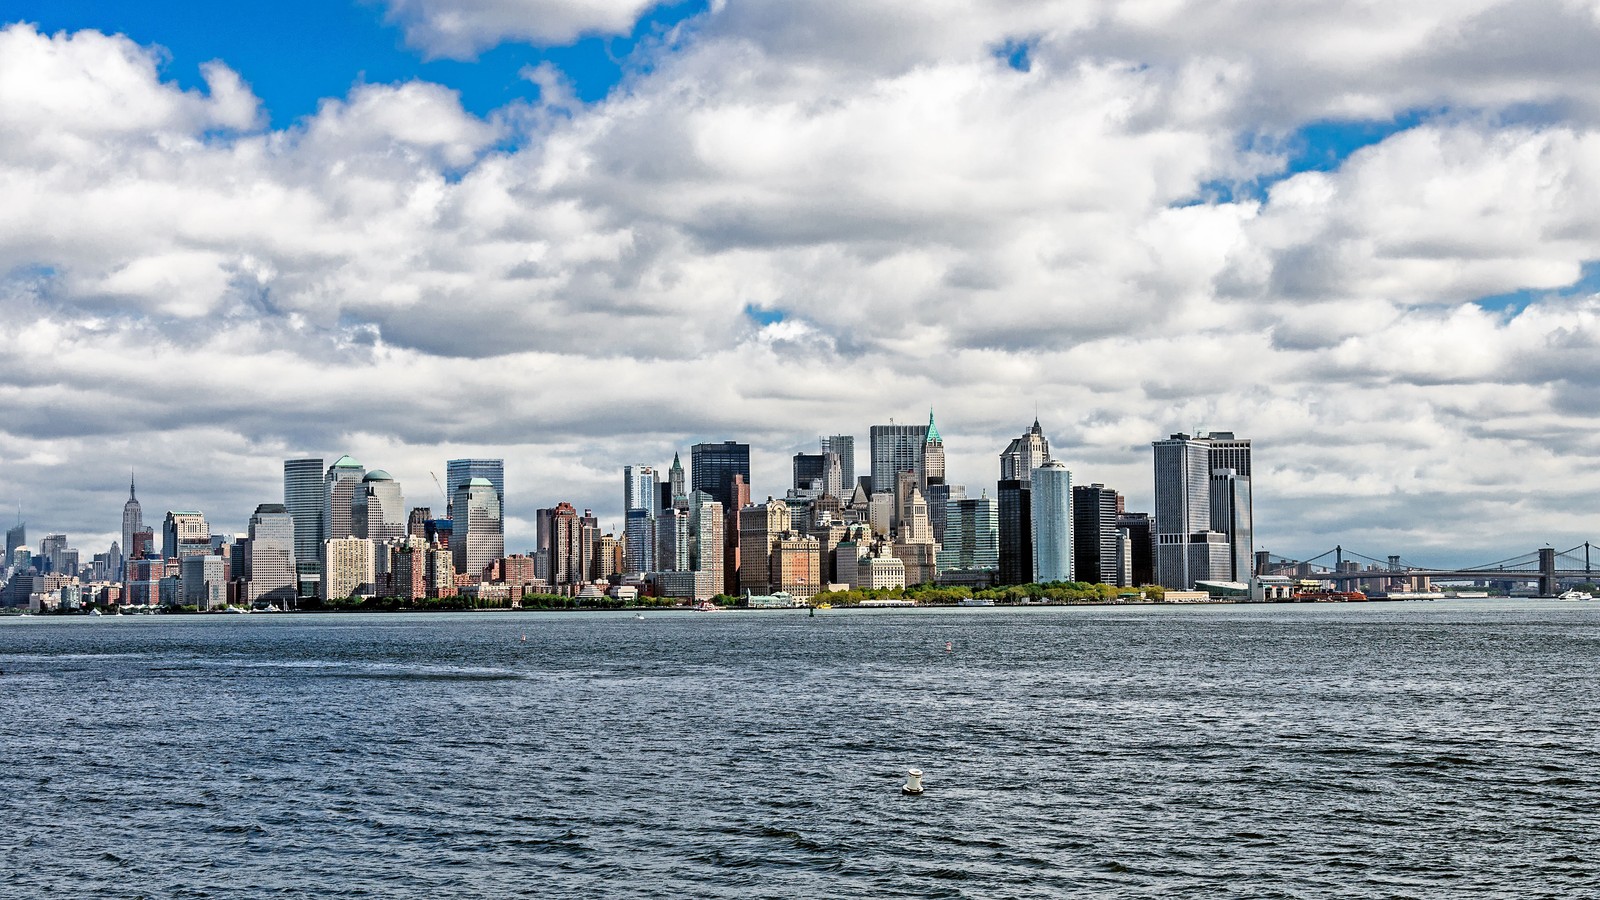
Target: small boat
1574,595
638,617
95,612
707,606
975,601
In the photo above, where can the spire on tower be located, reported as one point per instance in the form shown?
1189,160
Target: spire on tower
131,494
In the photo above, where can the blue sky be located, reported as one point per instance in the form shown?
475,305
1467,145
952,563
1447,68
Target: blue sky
294,53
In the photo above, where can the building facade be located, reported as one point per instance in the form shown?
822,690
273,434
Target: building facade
1050,499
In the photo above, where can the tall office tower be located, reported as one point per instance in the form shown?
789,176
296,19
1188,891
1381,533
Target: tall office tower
417,522
50,552
911,511
1141,533
730,534
477,534
16,539
677,495
350,568
880,514
971,535
567,553
1050,497
933,455
185,533
672,540
810,471
832,476
1024,454
460,471
639,537
269,559
714,466
638,488
1236,520
1230,515
205,585
338,498
940,496
303,496
1016,531
895,449
1096,542
378,509
607,559
1187,549
760,524
845,446
132,520
706,519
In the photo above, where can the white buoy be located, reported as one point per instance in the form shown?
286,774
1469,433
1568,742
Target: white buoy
913,783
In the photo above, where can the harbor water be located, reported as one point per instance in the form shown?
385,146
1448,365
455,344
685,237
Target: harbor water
1395,750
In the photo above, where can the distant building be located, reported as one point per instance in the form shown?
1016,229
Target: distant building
343,480
895,449
760,526
715,466
1194,542
844,446
1015,532
185,533
1141,544
378,509
303,491
1025,454
932,455
1096,541
350,569
132,521
1050,500
477,535
205,583
460,471
270,560
972,535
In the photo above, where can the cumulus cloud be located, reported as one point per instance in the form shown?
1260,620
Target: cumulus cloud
991,207
461,28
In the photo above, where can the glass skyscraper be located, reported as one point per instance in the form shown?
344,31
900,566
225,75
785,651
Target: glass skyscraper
1051,500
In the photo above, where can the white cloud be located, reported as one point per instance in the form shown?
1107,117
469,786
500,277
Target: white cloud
936,227
462,28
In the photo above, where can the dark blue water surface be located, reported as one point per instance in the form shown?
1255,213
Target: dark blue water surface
1396,750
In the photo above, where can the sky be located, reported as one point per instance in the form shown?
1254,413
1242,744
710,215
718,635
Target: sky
579,235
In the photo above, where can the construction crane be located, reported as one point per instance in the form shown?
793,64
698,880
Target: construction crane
441,490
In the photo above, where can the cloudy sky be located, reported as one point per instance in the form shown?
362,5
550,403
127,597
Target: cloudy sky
583,233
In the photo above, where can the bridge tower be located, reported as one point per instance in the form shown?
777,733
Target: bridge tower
1547,572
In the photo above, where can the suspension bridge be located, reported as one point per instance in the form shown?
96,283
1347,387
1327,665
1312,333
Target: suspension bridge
1546,566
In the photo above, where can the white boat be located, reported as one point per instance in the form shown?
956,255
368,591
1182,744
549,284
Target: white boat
976,601
1574,595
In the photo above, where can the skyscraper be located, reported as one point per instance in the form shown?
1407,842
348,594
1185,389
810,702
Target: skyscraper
713,467
477,534
1024,455
638,488
338,498
185,533
639,540
677,494
132,520
932,455
378,509
1230,515
1050,498
810,470
1096,542
895,449
302,497
270,557
1141,547
1187,549
461,471
845,446
1015,531
350,568
971,535
760,524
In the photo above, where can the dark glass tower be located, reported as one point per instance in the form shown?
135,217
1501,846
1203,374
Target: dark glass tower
713,467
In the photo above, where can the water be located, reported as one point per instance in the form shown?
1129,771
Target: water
1399,750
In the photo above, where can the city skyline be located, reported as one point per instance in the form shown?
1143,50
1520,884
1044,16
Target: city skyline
581,240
